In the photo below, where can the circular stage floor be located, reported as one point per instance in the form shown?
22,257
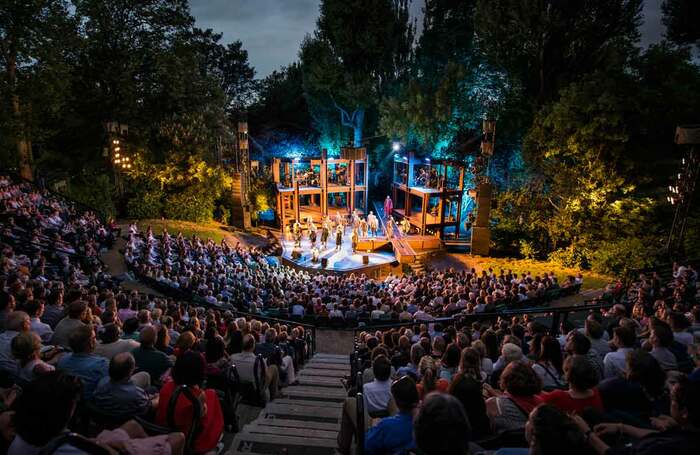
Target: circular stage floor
343,261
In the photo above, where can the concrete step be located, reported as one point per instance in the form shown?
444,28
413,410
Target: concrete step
332,360
296,402
320,381
321,372
291,412
316,365
245,442
311,393
261,428
331,356
299,424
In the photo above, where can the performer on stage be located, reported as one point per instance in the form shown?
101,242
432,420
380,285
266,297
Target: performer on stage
312,235
363,228
288,233
405,226
314,254
297,239
339,221
354,237
355,219
388,207
390,227
296,228
373,223
325,233
338,238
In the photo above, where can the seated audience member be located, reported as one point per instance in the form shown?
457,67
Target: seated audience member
46,407
83,362
111,344
615,362
378,392
582,394
449,362
190,370
163,340
429,382
26,349
508,409
486,363
7,306
595,332
467,388
376,397
119,394
661,340
74,320
148,358
411,368
680,324
245,364
677,434
578,344
35,309
549,431
441,426
548,365
17,322
640,394
395,434
510,352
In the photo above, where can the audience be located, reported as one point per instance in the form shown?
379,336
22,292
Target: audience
620,381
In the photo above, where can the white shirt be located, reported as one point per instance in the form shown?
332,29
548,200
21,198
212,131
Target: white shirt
615,363
43,330
377,395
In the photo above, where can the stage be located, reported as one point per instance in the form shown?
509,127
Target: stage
339,262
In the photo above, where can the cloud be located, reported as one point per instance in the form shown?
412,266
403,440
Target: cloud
271,30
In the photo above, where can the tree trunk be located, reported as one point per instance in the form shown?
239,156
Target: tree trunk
22,141
358,124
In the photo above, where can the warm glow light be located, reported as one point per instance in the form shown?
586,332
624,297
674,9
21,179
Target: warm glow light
116,155
116,149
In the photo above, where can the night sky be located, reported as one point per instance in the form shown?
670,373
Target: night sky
271,30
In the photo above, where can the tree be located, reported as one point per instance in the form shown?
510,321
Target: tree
360,49
280,105
35,39
545,44
681,18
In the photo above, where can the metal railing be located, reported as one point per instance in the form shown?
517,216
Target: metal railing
558,314
309,330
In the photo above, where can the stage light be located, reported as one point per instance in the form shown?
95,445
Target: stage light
427,160
396,146
116,155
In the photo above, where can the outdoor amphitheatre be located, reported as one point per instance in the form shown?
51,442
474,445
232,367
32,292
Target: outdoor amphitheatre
349,227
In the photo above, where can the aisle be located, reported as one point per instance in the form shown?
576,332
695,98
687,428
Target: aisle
306,420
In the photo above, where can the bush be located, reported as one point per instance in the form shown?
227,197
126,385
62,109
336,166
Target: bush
223,214
94,191
622,257
528,250
573,256
145,205
193,204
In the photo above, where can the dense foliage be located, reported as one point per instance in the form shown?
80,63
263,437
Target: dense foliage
585,116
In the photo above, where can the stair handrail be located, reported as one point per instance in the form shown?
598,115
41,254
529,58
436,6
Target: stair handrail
360,414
